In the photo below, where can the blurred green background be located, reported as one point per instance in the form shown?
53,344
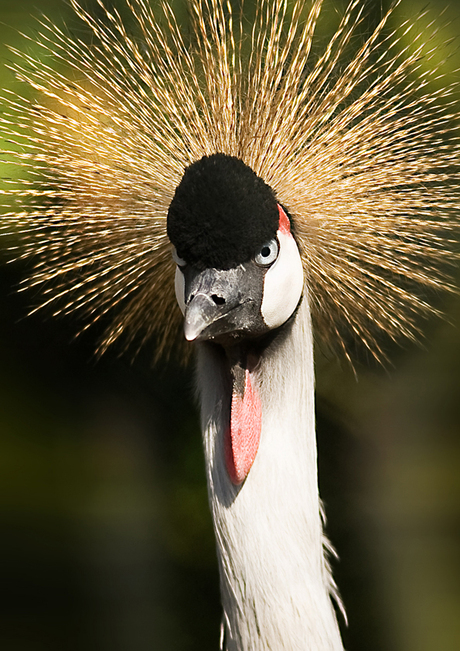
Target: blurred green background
105,536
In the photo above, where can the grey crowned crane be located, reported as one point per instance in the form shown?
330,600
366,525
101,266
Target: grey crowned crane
275,187
239,282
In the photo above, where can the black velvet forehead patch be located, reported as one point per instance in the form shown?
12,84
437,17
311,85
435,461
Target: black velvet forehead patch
221,214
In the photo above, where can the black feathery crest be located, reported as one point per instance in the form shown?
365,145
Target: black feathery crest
221,213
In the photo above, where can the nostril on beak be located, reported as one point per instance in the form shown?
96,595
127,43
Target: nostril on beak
218,300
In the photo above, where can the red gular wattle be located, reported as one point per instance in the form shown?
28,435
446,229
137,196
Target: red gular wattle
243,434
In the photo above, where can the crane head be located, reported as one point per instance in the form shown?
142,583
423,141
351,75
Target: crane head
238,267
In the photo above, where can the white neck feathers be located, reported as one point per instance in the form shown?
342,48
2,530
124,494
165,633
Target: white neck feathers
275,582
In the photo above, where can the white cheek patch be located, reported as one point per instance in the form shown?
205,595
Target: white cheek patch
283,283
179,285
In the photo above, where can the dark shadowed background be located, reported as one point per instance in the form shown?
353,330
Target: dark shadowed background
106,541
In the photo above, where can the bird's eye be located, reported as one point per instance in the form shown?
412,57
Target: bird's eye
179,261
268,253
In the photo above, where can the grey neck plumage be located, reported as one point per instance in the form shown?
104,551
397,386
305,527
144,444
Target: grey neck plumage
275,582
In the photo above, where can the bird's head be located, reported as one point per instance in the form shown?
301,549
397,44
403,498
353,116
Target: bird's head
239,271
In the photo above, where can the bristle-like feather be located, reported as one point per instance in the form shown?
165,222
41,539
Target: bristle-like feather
359,148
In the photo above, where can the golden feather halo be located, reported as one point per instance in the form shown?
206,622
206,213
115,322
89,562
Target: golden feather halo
362,153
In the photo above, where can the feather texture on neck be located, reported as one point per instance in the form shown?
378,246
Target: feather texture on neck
275,580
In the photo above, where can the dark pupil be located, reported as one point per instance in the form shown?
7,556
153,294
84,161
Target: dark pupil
265,252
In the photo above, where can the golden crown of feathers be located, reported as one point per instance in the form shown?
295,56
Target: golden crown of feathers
353,139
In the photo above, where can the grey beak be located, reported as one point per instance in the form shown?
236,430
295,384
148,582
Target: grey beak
222,303
199,314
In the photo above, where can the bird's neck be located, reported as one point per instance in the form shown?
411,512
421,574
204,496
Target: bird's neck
275,582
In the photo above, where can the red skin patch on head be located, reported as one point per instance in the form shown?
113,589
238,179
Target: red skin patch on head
243,435
284,224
